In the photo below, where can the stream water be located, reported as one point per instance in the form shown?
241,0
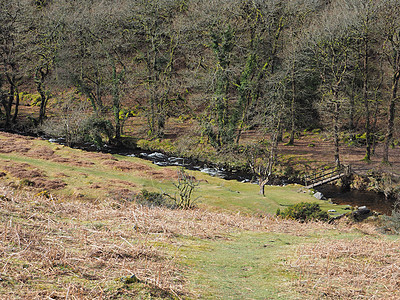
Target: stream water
164,160
374,201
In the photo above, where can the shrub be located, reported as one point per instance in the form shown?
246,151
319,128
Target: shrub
79,128
26,182
44,193
95,129
183,198
186,185
358,140
303,212
154,199
392,223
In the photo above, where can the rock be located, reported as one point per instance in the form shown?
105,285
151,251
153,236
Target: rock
331,210
333,219
361,213
318,195
363,210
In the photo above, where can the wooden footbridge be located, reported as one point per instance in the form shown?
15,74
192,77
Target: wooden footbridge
327,175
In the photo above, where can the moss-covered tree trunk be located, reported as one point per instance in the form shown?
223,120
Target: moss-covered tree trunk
391,115
40,77
16,108
366,100
117,78
336,129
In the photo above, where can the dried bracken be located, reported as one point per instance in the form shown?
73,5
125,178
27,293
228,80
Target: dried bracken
21,170
18,145
363,268
126,166
42,152
82,249
144,169
72,161
74,248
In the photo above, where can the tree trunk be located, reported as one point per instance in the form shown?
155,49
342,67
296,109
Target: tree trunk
366,102
43,104
292,108
98,98
8,105
262,185
14,119
373,129
336,130
39,80
4,102
391,112
352,105
279,131
117,78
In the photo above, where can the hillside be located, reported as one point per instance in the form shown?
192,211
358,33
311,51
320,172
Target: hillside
244,73
72,229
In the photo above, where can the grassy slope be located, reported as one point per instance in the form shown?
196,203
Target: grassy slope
95,176
200,254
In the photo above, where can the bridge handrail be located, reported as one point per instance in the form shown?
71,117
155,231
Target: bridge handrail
317,176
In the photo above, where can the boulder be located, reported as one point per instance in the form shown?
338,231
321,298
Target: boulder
318,196
361,213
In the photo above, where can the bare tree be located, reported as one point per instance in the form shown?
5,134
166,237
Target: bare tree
96,52
157,52
333,57
391,31
13,39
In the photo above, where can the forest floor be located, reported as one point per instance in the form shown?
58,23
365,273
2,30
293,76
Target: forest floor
70,228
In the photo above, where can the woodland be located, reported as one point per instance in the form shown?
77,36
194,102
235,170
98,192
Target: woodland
88,68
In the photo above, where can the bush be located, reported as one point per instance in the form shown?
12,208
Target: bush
95,129
26,182
79,128
154,199
185,186
316,131
358,140
392,223
304,212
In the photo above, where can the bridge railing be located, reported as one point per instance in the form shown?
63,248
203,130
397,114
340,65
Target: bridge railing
326,174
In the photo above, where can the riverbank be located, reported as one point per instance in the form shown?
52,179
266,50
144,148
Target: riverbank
359,190
33,162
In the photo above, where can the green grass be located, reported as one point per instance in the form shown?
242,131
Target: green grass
246,267
249,265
